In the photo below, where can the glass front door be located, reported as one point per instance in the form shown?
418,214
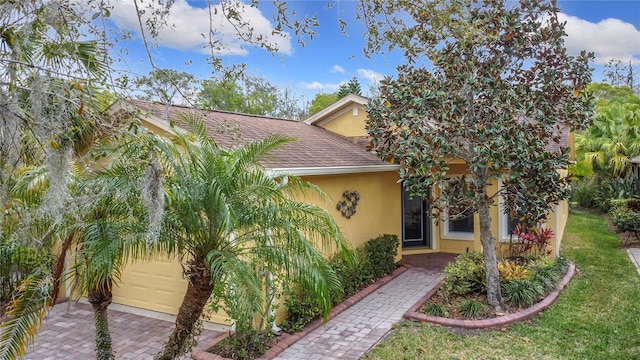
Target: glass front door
416,225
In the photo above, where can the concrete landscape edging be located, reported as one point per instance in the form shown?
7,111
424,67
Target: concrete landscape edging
414,314
285,340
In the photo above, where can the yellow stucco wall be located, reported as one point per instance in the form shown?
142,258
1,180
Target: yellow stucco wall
158,284
349,122
557,221
378,210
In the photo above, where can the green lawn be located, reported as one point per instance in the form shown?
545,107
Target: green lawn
596,317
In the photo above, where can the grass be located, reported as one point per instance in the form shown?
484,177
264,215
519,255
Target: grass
596,317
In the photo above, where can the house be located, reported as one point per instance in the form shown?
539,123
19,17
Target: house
330,153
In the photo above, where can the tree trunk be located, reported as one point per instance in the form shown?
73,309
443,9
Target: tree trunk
494,295
100,300
59,267
195,299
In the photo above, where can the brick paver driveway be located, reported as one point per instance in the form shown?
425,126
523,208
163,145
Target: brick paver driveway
69,331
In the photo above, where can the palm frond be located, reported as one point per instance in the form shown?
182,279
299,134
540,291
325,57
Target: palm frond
244,286
26,312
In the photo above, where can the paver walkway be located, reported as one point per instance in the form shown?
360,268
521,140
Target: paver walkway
350,334
69,331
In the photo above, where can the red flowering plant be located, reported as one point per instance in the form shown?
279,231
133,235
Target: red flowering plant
530,241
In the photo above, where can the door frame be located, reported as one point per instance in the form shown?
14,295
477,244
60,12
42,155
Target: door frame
427,240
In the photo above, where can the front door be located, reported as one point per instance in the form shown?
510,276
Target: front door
416,225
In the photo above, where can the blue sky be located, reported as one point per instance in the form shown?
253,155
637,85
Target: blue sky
609,28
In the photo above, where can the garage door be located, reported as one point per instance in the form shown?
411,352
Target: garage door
156,285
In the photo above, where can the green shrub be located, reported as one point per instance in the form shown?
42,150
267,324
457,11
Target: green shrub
584,193
354,275
472,308
619,188
434,309
548,271
591,192
465,275
248,344
301,310
623,217
547,278
382,252
522,292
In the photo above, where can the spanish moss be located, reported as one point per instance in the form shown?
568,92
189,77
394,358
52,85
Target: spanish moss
153,196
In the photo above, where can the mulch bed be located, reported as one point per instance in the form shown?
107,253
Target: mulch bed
454,313
226,348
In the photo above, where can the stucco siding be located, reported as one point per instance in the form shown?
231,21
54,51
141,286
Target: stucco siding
378,211
350,122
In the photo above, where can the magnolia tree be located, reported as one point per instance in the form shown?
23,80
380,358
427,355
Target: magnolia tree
499,90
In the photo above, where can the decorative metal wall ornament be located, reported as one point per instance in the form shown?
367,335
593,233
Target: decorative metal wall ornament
347,206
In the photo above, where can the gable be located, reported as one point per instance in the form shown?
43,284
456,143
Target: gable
347,117
349,121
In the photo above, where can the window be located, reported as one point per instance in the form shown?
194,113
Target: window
459,226
462,223
508,223
508,226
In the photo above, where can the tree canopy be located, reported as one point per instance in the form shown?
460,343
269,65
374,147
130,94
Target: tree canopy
350,87
608,145
238,92
321,101
501,90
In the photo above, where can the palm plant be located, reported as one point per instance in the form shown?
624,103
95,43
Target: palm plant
107,225
112,231
25,227
614,138
224,213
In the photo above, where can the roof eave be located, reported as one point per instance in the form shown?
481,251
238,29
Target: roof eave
336,170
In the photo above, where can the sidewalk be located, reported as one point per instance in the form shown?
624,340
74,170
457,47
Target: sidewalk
354,331
634,255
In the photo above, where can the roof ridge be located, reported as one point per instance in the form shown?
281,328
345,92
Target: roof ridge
188,107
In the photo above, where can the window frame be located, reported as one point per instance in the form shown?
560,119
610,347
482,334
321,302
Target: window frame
457,235
503,220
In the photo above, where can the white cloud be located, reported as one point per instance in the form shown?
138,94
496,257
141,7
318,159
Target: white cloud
608,39
189,27
313,85
337,69
370,75
316,85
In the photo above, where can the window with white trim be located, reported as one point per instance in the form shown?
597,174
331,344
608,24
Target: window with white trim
508,225
508,222
459,226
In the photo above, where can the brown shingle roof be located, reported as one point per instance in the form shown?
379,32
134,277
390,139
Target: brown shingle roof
314,146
